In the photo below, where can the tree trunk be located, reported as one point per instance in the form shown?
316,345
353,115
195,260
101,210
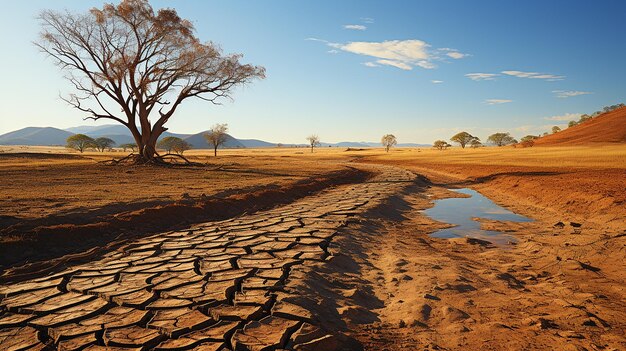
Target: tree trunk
215,151
150,138
148,152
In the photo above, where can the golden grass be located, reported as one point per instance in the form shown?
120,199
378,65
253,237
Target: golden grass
600,156
608,156
34,187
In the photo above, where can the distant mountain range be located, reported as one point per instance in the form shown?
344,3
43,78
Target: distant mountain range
49,136
35,136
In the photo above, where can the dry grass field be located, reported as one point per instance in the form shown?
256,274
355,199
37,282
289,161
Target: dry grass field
38,186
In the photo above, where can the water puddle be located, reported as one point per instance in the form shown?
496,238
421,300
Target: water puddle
460,211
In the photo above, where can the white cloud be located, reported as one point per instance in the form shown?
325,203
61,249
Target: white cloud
497,101
333,51
456,55
367,20
565,117
452,53
370,64
398,50
402,54
317,39
426,64
355,27
436,81
482,76
569,93
533,75
398,64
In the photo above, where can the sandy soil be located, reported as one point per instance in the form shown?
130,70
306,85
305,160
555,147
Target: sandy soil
558,288
555,289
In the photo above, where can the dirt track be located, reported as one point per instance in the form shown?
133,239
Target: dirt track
221,285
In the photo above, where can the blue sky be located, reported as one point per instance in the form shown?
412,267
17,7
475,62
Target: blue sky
355,70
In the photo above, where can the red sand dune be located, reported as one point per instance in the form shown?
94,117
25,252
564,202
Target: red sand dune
608,127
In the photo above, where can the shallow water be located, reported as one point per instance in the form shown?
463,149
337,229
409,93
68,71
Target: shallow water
460,211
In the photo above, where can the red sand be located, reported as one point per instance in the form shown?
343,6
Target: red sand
608,127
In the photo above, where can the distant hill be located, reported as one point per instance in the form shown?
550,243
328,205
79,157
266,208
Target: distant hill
608,127
252,143
118,133
107,129
198,141
121,135
44,136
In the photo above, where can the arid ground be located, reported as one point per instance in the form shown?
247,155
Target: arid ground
285,249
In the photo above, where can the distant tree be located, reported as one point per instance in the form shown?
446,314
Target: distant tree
501,139
441,145
584,118
216,136
611,108
279,145
388,141
103,143
313,140
556,129
131,146
571,124
528,141
475,143
545,133
136,66
463,138
181,146
168,143
79,142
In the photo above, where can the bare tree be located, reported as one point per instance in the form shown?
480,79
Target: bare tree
313,140
217,136
388,141
143,63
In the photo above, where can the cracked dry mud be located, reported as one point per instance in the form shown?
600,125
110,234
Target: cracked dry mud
216,286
